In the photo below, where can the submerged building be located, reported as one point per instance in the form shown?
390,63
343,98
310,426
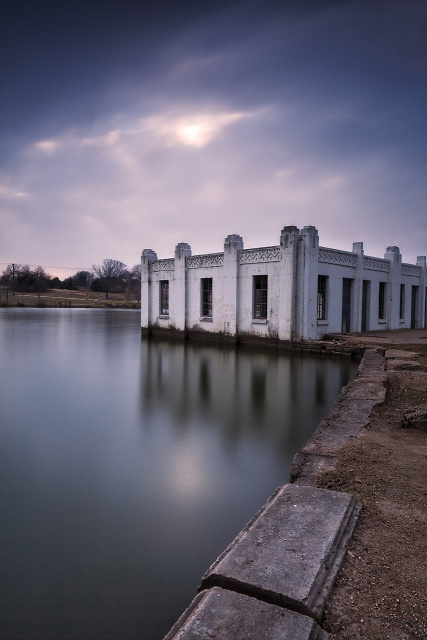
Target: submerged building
290,292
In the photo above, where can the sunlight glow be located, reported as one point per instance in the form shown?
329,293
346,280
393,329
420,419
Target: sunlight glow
48,146
196,130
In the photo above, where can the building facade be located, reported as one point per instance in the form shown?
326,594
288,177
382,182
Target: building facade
290,292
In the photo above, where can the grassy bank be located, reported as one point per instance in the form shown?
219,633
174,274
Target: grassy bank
65,298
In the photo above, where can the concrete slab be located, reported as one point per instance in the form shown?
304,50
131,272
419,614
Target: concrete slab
307,466
400,354
225,615
330,435
366,391
291,551
405,365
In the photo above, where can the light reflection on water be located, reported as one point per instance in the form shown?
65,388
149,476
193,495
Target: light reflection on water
127,466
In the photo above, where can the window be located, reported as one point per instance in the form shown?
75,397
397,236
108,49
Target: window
402,302
260,297
381,301
164,297
206,297
321,297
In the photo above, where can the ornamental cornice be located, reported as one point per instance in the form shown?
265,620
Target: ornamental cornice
205,261
264,254
168,264
376,264
411,270
335,256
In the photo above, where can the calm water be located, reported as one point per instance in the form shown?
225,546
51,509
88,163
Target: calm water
127,466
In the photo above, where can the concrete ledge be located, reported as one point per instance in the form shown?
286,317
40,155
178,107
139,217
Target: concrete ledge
290,552
225,615
347,417
251,339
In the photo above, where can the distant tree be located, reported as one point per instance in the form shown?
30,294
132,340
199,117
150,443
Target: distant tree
68,284
97,284
82,278
134,286
21,278
41,279
112,274
8,277
55,283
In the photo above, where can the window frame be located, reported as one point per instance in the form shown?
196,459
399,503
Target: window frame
260,297
402,302
206,297
164,297
322,297
382,287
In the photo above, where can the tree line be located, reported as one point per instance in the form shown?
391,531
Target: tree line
111,276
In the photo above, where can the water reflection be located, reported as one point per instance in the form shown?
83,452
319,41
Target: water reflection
270,397
127,466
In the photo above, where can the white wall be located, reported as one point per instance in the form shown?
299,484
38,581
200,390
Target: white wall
292,268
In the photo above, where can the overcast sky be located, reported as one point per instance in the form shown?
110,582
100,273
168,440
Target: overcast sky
127,125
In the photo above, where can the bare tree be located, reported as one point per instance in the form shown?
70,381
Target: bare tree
111,273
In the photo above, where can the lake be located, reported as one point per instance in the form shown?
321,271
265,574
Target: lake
127,465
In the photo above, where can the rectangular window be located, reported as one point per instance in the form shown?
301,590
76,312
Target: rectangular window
381,301
206,293
321,297
347,307
164,297
402,302
260,297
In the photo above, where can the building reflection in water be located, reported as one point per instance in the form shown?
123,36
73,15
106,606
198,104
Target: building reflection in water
241,393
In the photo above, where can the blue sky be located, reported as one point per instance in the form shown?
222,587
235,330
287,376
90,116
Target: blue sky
131,125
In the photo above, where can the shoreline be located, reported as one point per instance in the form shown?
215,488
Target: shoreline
323,465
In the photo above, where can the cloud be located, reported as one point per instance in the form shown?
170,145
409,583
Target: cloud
8,191
48,146
237,126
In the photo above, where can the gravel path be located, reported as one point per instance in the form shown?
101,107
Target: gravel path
381,590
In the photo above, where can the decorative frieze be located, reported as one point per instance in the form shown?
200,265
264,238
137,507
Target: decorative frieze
376,264
208,260
411,270
334,256
265,254
163,265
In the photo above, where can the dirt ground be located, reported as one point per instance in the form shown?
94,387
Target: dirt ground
381,590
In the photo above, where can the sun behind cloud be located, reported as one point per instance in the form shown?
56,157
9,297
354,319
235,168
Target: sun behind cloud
195,130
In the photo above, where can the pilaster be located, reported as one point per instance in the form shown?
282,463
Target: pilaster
147,257
179,293
288,272
421,311
232,245
356,320
307,278
394,256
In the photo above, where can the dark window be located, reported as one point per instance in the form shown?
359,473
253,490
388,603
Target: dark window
207,297
381,301
321,297
347,286
260,297
366,298
402,302
164,297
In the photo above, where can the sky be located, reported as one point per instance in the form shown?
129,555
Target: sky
136,125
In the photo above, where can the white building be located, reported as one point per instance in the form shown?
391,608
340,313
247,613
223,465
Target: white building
293,291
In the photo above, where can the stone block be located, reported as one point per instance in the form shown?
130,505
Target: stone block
400,354
291,551
225,615
415,418
405,365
